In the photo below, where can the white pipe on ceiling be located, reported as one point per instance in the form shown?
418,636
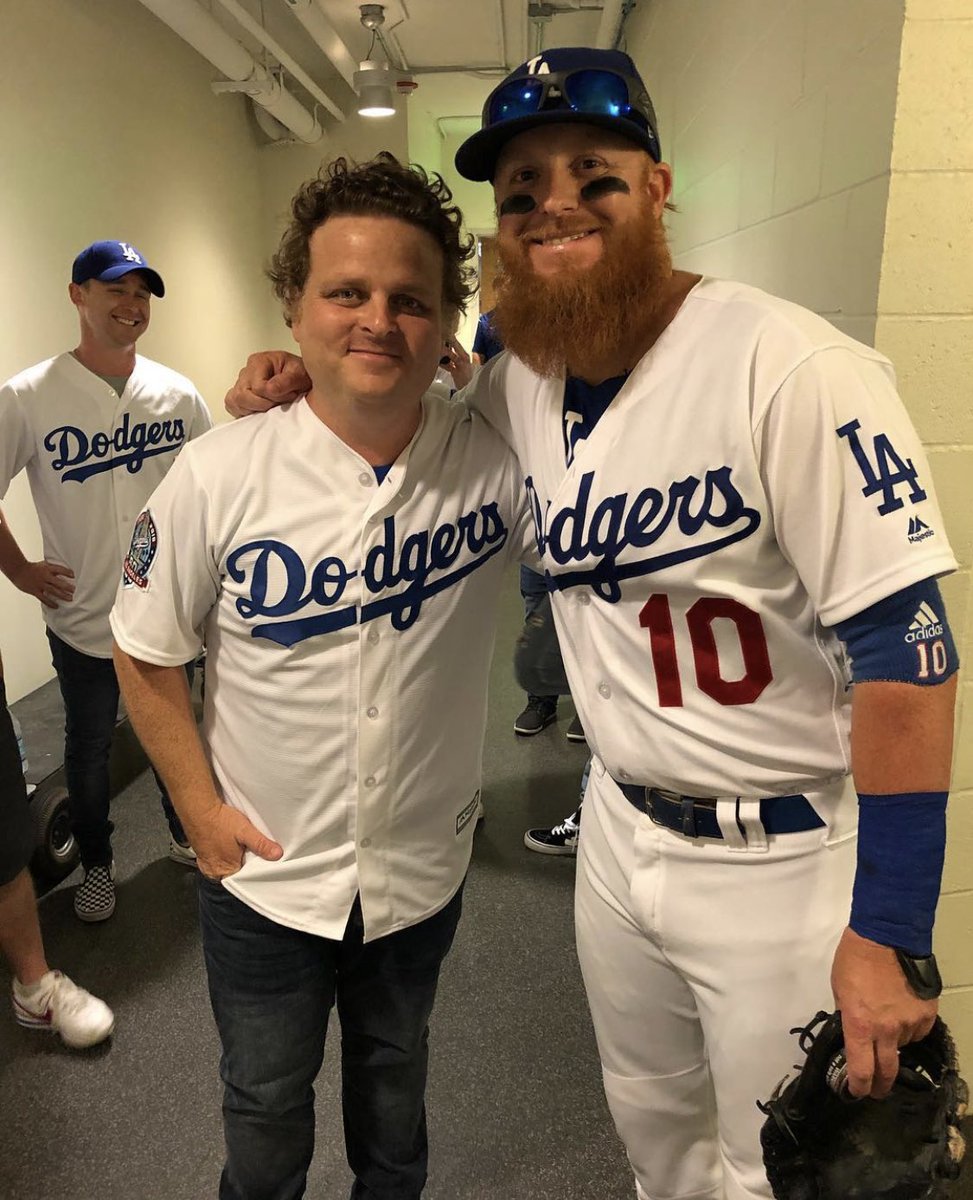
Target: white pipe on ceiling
609,25
208,38
255,29
312,17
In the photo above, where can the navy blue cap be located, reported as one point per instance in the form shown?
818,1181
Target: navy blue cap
477,158
110,260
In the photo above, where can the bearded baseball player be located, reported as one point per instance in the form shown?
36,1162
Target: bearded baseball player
340,556
96,429
740,536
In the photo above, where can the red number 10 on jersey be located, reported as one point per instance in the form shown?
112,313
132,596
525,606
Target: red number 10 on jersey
656,617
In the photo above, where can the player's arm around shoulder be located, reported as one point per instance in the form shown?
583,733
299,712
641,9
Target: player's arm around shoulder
487,393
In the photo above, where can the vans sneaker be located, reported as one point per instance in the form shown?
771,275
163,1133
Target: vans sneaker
94,900
562,839
59,1006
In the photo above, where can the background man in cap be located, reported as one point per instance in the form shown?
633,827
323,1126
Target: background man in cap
737,525
96,430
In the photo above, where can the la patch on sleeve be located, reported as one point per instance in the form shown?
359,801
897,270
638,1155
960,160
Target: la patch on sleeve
141,552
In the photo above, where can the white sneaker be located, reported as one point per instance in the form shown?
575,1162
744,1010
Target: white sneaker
179,853
57,1005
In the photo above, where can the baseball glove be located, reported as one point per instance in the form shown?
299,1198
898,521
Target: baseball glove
820,1144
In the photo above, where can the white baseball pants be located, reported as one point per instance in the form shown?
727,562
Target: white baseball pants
698,958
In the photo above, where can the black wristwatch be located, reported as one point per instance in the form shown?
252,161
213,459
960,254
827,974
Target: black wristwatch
921,974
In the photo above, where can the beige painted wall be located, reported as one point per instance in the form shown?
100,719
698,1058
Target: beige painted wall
111,130
925,325
777,118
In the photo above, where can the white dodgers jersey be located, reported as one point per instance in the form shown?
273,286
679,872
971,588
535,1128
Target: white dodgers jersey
755,481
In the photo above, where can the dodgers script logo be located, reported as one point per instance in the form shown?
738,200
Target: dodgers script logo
78,456
279,584
710,513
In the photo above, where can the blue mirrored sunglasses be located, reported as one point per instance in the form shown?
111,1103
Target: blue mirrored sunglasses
598,93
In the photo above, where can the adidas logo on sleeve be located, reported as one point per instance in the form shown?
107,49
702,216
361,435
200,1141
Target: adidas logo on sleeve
924,625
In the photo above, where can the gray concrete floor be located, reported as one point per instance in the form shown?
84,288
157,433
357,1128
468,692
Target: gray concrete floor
516,1110
515,1102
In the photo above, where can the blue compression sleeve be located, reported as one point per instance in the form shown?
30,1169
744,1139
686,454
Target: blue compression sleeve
905,638
901,847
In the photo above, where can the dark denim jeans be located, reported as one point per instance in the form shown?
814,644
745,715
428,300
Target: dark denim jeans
89,689
533,589
272,989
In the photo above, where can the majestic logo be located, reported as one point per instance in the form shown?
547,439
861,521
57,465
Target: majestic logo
279,584
925,625
919,530
709,513
467,813
78,455
888,472
141,552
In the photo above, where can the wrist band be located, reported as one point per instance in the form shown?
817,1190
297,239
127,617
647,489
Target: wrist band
901,847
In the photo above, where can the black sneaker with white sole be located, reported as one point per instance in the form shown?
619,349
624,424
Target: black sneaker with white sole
540,712
575,731
561,839
94,900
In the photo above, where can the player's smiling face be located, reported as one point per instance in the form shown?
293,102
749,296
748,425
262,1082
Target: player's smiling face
370,322
579,182
114,315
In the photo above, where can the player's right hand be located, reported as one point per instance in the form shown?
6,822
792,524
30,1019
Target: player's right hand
270,377
222,836
46,581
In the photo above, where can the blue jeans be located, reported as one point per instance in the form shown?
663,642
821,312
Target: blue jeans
89,689
533,589
272,989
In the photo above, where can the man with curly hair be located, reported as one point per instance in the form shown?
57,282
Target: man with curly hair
338,556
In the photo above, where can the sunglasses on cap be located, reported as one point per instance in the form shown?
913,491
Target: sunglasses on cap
590,91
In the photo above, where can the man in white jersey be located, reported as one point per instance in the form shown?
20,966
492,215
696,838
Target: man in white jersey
96,429
740,536
340,556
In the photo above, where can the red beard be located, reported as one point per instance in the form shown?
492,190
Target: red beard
565,321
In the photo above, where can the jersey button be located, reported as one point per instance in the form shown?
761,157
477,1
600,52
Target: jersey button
365,479
373,636
584,598
372,712
369,781
365,843
604,690
624,775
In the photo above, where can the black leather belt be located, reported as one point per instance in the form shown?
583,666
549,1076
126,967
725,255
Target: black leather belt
694,817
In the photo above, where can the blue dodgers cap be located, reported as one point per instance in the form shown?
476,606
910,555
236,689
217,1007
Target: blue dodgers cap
573,84
110,260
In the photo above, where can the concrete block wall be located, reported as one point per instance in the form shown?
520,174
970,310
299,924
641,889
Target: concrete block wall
925,325
777,118
823,150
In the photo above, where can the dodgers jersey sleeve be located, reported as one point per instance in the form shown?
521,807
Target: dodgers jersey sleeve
850,488
170,578
16,437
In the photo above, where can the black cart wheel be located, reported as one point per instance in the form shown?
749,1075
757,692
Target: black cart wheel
56,852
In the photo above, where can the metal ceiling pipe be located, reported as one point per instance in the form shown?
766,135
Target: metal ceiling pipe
609,25
207,37
256,30
312,17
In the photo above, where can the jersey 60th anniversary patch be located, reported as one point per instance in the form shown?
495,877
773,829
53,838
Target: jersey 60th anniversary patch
141,552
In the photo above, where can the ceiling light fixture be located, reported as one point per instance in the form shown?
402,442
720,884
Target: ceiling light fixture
374,80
